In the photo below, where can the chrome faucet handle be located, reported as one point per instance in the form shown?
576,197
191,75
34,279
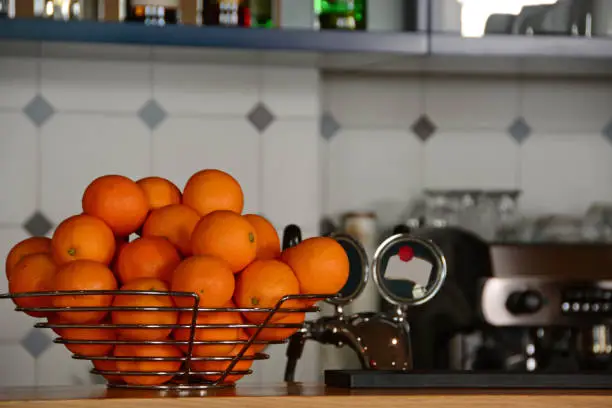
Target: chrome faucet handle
408,271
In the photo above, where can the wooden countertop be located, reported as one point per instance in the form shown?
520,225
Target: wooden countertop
298,395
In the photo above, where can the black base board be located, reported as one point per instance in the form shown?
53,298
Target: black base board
467,379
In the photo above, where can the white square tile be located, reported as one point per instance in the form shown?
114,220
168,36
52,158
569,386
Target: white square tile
56,367
290,191
17,368
206,88
565,173
183,146
291,91
373,101
18,78
107,86
374,171
77,148
567,105
471,102
474,160
18,167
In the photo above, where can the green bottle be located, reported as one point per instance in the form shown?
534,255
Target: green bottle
340,14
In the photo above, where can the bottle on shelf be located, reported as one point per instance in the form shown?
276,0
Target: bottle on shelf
340,14
263,13
66,9
231,13
4,8
153,12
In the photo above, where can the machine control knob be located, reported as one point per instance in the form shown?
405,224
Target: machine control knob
524,302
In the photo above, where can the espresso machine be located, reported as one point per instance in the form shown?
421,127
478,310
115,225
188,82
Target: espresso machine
550,306
482,316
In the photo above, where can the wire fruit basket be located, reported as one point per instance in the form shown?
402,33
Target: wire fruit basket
179,370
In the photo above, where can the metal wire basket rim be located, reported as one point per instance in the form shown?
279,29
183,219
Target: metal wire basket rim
169,342
109,326
174,387
166,309
146,293
253,357
173,373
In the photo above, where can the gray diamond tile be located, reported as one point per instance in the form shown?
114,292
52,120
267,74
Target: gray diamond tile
38,225
519,130
329,126
36,342
261,117
39,110
423,128
97,379
152,114
607,131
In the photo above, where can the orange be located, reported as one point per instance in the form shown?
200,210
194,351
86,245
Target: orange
268,243
277,333
54,319
89,350
175,223
212,190
159,192
320,265
262,284
107,365
33,245
83,237
33,273
150,257
242,335
209,334
83,275
228,236
118,201
243,364
209,277
171,364
120,243
144,317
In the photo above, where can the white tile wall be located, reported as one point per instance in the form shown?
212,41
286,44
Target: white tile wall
101,86
182,146
206,89
18,80
373,170
476,159
18,167
76,148
289,173
563,166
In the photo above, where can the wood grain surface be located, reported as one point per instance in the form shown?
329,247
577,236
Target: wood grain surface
298,395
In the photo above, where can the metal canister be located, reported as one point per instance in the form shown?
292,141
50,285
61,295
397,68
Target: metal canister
4,8
363,226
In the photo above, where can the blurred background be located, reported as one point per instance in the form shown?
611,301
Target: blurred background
512,147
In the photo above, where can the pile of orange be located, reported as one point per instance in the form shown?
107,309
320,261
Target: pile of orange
194,241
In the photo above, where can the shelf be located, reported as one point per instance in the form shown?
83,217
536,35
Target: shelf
326,50
214,37
522,46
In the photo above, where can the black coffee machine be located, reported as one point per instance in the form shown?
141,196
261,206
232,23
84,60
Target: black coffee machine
470,322
516,307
